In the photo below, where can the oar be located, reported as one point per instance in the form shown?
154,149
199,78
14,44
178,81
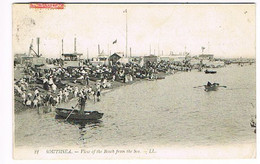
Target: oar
199,86
71,112
223,86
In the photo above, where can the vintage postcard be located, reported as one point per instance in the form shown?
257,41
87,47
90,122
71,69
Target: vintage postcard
134,81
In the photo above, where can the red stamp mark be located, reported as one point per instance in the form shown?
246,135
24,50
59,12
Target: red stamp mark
47,5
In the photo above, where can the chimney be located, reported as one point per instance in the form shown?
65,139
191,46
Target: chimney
150,50
38,45
75,45
62,47
87,54
98,49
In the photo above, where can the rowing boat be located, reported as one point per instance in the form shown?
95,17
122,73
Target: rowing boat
88,115
210,72
211,87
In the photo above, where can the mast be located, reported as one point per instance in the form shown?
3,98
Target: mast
38,46
150,49
158,50
87,54
125,11
98,49
62,47
75,45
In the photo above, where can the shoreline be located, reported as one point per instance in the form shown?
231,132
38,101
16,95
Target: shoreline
19,107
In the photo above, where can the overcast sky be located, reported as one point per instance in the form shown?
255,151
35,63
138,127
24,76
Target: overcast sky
224,30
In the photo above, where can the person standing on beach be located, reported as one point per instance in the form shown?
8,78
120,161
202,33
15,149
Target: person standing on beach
66,96
52,103
36,92
113,77
94,95
89,91
98,95
45,84
76,90
54,88
86,78
24,97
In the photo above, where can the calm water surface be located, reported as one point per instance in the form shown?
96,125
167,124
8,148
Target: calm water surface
163,112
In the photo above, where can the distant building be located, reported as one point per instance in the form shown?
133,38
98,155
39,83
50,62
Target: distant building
164,58
20,58
29,60
20,55
135,59
173,58
150,58
100,60
206,56
72,59
114,58
178,58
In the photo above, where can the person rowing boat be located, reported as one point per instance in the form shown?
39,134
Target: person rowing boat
212,87
80,114
82,103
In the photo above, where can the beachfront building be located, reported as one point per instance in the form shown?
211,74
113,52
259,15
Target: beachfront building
135,59
24,59
72,59
206,56
168,58
150,58
114,58
21,58
102,59
179,58
164,58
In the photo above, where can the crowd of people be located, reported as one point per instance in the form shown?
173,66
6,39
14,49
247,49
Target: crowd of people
37,97
54,85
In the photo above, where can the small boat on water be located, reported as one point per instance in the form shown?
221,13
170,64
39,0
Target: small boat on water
88,115
160,77
211,87
210,72
253,123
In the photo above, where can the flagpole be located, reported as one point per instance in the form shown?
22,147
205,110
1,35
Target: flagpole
107,49
126,33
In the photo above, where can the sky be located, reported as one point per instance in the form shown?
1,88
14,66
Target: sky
225,30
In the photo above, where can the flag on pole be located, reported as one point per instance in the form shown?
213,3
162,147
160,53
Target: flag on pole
114,42
125,11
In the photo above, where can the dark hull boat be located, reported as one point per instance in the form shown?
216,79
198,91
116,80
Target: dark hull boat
253,123
88,115
210,72
160,77
212,87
